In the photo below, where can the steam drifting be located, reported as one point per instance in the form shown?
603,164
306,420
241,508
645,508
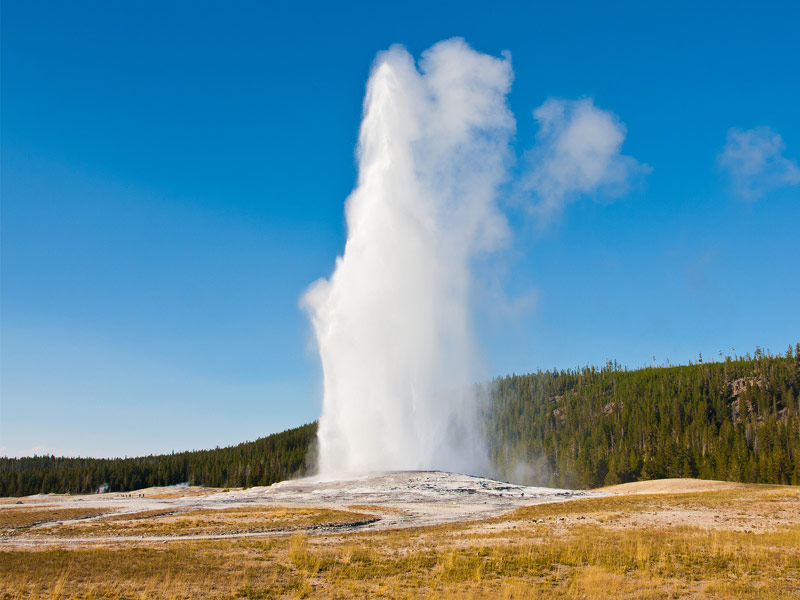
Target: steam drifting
578,152
392,323
755,162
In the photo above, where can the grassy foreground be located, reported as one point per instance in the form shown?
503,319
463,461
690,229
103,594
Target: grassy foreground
742,542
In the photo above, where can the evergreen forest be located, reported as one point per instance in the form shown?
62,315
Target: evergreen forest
262,462
735,419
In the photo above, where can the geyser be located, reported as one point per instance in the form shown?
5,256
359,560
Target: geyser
392,323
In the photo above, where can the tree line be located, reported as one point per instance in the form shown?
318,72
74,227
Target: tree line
262,462
737,419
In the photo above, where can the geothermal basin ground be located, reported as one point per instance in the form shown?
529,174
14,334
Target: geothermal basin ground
406,535
380,501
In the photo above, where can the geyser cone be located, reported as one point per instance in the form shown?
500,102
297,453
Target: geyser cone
393,323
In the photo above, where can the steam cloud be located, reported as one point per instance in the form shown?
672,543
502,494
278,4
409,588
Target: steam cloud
392,323
755,162
578,152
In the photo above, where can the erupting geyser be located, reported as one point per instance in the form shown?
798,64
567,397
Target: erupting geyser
393,321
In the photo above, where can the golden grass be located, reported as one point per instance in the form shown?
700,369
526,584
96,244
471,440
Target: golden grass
528,553
22,517
239,520
377,509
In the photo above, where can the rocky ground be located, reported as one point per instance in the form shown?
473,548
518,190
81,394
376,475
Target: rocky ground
384,501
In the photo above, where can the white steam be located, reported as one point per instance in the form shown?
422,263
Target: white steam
393,322
578,151
755,162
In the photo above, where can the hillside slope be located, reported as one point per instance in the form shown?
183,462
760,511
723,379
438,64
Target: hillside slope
262,462
736,420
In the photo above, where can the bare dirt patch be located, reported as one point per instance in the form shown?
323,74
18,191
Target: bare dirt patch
675,486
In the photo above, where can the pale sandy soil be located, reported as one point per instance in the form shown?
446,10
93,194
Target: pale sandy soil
391,500
674,486
377,502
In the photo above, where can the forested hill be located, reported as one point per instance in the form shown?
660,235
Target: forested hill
736,419
262,462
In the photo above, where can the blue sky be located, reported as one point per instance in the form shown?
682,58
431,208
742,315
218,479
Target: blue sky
173,177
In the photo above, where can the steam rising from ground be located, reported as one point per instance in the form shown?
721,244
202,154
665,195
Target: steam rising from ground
393,321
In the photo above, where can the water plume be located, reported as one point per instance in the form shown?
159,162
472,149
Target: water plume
393,323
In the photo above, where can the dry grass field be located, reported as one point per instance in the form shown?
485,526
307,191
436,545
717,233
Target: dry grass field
159,523
651,540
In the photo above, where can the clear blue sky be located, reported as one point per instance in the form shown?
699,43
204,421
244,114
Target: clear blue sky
173,177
